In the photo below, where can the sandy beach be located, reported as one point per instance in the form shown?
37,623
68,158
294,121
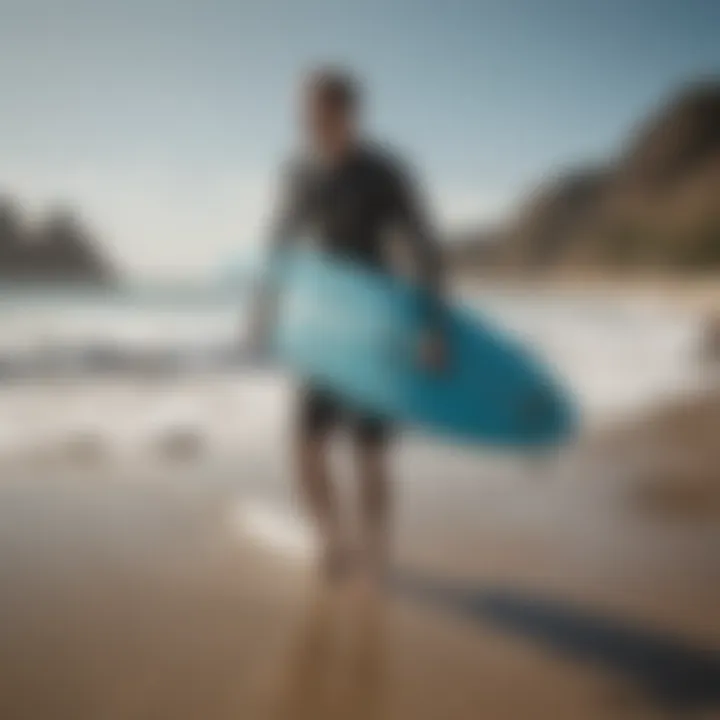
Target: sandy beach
154,563
162,587
699,293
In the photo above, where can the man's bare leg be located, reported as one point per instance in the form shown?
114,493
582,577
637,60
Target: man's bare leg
375,507
319,496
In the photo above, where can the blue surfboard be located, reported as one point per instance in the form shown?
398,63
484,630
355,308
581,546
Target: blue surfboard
356,332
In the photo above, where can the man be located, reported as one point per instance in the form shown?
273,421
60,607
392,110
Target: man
348,196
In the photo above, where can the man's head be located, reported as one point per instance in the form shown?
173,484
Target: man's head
331,110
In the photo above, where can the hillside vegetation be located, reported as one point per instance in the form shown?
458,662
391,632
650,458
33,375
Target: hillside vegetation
655,206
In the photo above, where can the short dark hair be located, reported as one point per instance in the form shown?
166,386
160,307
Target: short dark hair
336,87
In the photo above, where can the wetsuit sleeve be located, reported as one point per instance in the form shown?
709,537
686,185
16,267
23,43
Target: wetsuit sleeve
410,214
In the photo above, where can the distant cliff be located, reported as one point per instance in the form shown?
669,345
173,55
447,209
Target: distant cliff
657,205
55,248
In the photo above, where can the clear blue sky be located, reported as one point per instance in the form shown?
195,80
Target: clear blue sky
164,119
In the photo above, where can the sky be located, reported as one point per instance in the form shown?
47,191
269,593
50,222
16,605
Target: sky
165,121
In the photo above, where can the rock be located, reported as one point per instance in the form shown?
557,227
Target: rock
57,248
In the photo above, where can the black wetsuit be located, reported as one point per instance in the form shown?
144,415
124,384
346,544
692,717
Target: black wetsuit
350,209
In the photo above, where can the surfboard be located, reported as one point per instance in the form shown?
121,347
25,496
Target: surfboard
356,332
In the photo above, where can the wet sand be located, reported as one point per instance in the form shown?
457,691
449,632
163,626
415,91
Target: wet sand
523,588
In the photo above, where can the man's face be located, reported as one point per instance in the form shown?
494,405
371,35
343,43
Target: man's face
329,128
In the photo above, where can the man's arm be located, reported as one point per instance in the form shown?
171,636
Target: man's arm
421,237
284,225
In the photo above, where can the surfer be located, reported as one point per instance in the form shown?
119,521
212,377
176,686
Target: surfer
349,196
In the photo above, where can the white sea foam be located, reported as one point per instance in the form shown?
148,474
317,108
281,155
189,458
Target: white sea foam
616,356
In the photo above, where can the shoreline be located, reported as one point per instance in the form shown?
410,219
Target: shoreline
701,294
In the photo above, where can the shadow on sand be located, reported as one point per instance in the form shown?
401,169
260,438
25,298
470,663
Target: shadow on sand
669,671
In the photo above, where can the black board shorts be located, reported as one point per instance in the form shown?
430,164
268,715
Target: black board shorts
321,412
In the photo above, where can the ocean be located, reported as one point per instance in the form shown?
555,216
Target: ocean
127,374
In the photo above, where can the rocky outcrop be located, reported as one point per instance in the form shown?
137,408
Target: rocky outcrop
657,205
56,248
